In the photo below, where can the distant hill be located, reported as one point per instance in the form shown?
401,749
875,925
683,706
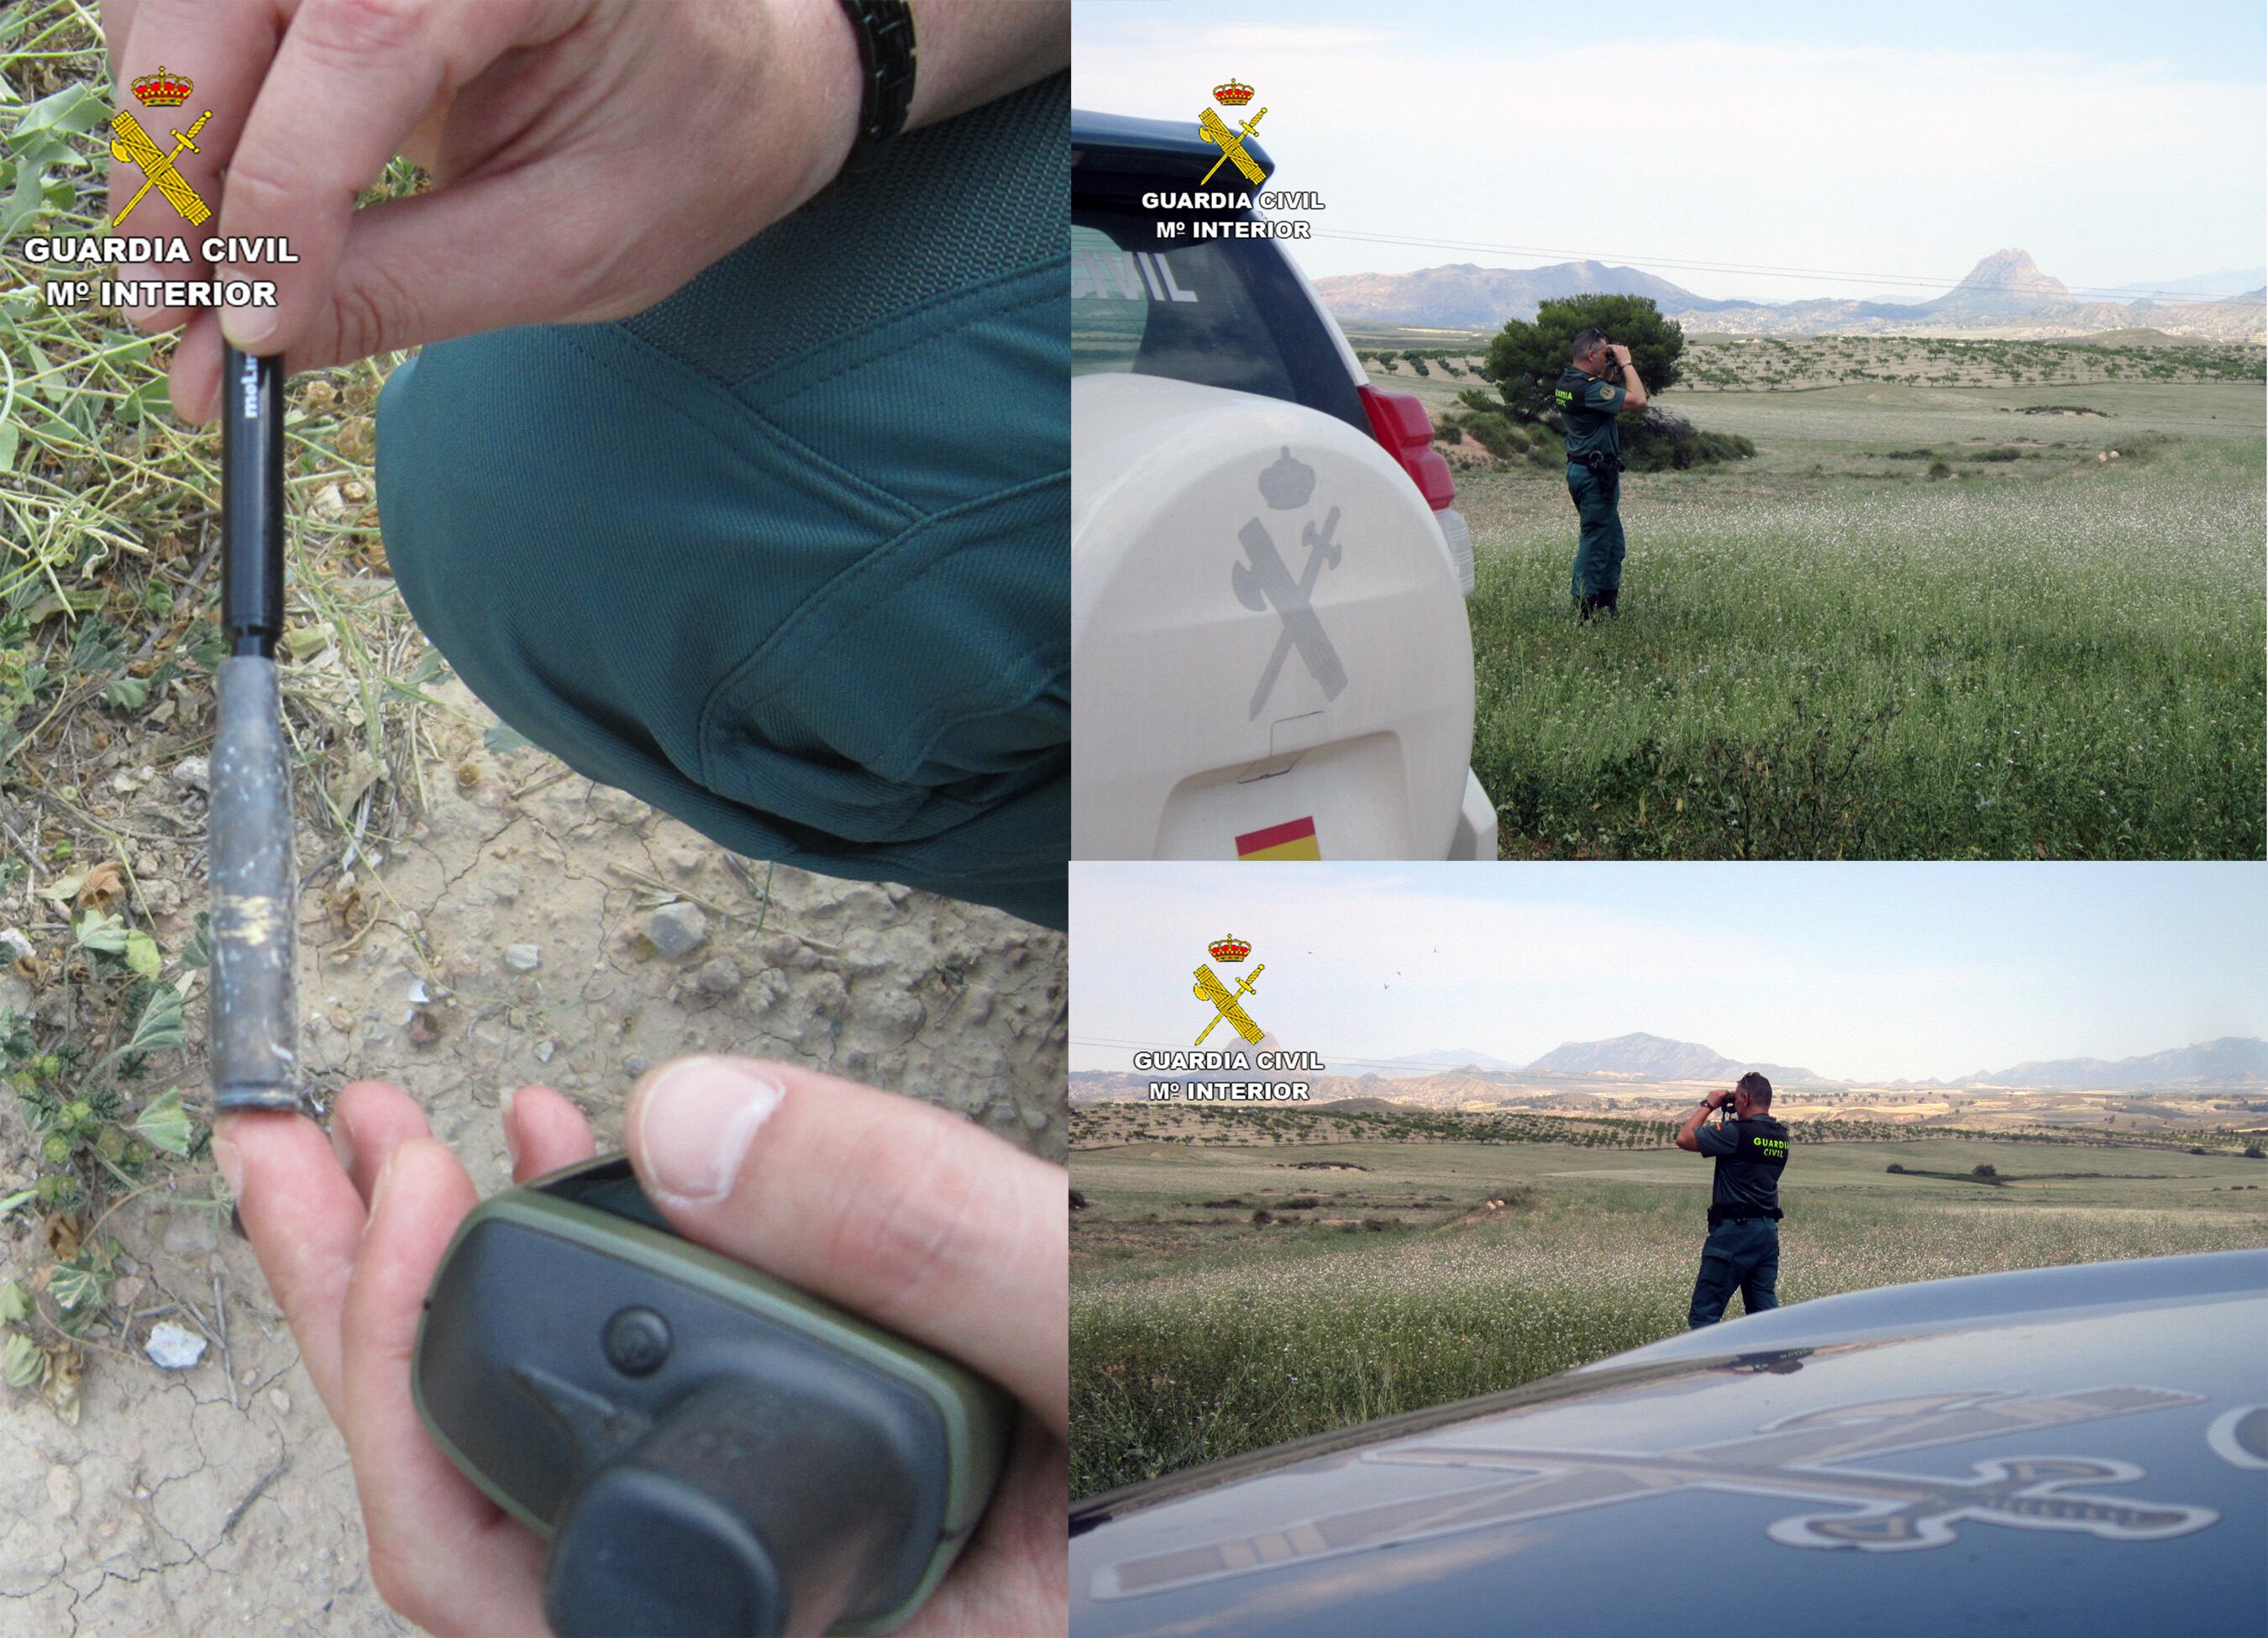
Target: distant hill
2198,286
1428,1062
1462,296
1655,1059
2006,292
2232,1060
1630,1063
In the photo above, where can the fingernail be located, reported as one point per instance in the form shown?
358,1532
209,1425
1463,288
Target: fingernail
510,1137
341,1140
231,1161
246,327
695,1121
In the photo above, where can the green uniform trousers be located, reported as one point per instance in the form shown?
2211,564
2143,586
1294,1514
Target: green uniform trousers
1599,550
787,555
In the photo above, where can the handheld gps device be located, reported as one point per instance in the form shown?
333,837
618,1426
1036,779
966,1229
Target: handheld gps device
710,1452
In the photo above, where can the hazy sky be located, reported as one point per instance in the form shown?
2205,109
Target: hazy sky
2118,143
1906,971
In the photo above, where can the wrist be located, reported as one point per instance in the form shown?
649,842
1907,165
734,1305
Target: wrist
815,86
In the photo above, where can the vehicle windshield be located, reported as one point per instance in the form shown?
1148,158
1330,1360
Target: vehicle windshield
1218,312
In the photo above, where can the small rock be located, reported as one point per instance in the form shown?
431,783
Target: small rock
170,1347
522,957
62,1491
1036,1119
194,773
634,1064
678,930
14,943
719,977
280,1400
127,1291
544,1049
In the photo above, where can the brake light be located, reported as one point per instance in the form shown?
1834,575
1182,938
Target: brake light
1404,430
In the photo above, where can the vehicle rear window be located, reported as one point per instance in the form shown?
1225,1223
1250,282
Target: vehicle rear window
1218,312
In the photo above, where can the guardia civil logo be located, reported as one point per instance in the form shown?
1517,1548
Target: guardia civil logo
1225,996
1231,93
130,144
1227,951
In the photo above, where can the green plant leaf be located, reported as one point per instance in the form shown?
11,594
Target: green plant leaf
22,1362
17,1199
127,694
160,1024
142,954
199,953
165,1123
80,1283
501,739
74,109
98,930
14,1305
63,889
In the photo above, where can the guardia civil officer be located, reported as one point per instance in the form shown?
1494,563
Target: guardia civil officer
1599,386
1742,1251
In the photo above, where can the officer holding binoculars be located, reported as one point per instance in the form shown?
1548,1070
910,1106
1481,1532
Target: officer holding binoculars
1599,386
1742,1251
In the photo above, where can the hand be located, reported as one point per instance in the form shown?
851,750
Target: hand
895,1210
1620,352
588,156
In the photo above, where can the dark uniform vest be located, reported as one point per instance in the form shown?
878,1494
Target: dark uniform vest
1748,1178
1588,407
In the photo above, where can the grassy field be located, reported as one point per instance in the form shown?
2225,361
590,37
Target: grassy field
1922,622
1773,363
1388,1282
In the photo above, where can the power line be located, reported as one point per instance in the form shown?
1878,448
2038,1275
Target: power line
1751,270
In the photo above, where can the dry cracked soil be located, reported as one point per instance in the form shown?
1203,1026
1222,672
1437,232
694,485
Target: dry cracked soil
533,928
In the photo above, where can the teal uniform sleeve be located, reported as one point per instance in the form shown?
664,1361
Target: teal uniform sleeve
1717,1138
1604,397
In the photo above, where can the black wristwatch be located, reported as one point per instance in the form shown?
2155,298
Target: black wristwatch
885,65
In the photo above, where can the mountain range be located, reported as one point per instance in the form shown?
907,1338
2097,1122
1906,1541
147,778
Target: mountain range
1652,1058
2006,292
1641,1060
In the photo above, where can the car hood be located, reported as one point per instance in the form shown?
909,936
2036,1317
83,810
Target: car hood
2078,1449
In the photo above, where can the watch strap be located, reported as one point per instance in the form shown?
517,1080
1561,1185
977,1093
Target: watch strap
884,29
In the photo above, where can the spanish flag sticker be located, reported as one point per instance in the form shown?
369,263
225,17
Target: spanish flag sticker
1293,839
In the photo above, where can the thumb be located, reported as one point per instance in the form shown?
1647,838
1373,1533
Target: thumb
902,1213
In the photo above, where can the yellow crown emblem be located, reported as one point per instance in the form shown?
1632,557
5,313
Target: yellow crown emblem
1230,948
163,89
1232,93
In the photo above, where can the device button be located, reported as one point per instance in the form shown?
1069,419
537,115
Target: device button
637,1341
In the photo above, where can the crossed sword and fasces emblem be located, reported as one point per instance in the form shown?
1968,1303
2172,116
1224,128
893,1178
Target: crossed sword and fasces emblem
1264,580
1210,988
1801,1459
130,144
1231,143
